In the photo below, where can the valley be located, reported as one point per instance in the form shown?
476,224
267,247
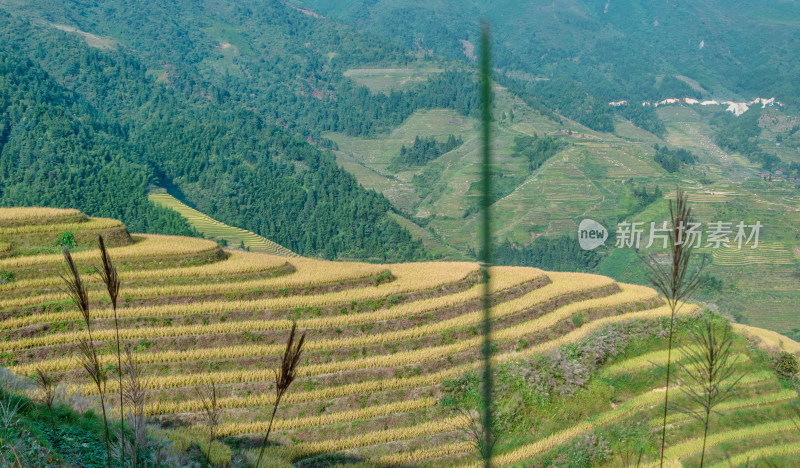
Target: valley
399,233
593,177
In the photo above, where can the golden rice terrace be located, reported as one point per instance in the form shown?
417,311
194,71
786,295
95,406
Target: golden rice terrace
381,339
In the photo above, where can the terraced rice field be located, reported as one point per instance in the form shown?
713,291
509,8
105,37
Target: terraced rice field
10,217
766,253
381,339
705,197
216,230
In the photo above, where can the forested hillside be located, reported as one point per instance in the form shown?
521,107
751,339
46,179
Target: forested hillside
219,104
54,151
577,55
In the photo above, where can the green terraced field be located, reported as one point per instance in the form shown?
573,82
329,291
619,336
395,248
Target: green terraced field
592,178
217,230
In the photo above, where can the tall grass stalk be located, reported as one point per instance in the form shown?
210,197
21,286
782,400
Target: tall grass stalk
108,274
88,354
13,452
208,396
675,281
471,426
284,378
46,383
11,404
135,394
709,375
486,243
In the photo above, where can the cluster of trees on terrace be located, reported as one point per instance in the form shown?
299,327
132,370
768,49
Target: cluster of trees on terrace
672,160
427,149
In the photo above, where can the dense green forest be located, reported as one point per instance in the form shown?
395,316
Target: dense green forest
673,159
740,134
151,106
54,151
426,149
561,253
645,198
226,103
266,56
537,149
567,97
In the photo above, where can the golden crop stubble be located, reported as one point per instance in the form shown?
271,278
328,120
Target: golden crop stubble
232,429
770,338
34,213
150,246
94,224
238,262
171,407
411,277
505,278
626,366
417,456
309,273
629,293
526,452
542,445
383,436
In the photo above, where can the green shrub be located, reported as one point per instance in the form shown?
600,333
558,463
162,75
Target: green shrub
66,239
785,365
6,276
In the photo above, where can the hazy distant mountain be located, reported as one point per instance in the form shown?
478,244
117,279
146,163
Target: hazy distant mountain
618,49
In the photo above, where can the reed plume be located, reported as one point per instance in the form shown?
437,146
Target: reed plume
709,375
284,378
675,281
46,383
87,353
108,274
135,394
211,410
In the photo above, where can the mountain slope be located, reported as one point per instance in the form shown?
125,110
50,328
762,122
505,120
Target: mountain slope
613,50
215,150
55,151
747,47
